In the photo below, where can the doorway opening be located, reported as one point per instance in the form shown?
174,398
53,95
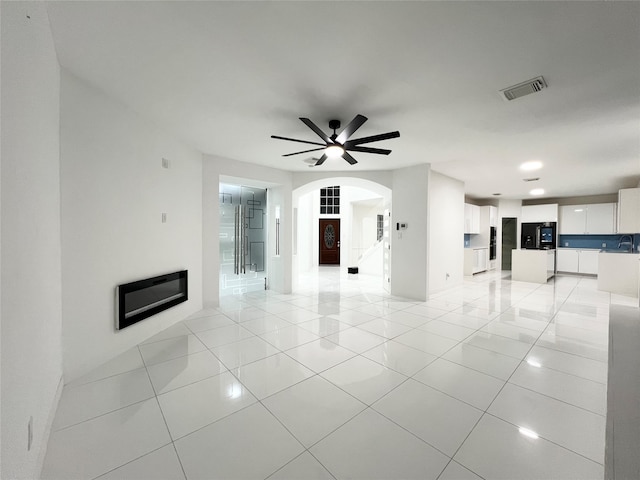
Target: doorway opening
340,222
243,239
509,240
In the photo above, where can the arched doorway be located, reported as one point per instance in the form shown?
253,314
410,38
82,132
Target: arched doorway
358,207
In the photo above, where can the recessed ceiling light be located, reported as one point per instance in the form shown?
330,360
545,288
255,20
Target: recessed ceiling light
528,166
537,191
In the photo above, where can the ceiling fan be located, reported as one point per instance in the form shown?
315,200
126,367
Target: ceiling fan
338,145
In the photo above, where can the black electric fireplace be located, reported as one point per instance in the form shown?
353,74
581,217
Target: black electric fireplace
136,301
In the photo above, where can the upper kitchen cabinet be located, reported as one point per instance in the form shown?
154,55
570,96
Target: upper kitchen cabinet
601,218
539,213
594,219
573,219
629,210
471,218
493,216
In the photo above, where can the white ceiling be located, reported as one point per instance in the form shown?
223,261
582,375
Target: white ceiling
224,76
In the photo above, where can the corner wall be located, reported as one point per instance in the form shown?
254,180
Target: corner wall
31,268
445,232
114,191
409,260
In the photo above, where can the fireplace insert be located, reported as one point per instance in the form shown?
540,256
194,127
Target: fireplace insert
138,300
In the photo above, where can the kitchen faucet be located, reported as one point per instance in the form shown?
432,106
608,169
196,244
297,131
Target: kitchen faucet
628,243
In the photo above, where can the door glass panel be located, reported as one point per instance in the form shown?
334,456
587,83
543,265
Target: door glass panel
243,238
329,236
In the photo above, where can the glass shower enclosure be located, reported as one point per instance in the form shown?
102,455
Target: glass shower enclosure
243,239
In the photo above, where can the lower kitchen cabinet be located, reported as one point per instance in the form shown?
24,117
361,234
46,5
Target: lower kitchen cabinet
588,261
476,260
567,260
572,260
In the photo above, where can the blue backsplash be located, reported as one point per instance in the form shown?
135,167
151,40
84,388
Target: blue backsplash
467,239
594,241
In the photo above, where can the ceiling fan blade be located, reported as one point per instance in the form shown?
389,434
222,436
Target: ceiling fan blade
350,129
374,138
296,140
304,151
349,158
379,151
321,160
318,132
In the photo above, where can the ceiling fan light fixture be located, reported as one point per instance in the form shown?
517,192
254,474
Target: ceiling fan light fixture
340,145
334,151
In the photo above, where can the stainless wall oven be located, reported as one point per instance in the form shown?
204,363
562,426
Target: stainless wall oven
492,243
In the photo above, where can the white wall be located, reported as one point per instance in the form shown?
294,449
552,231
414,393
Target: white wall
371,262
31,270
445,232
279,277
114,191
216,169
307,219
409,262
378,181
365,206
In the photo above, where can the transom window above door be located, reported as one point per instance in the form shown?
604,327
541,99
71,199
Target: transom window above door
330,200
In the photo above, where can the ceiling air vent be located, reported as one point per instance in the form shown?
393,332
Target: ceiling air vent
525,88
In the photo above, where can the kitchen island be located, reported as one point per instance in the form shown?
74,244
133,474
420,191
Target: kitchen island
536,266
618,272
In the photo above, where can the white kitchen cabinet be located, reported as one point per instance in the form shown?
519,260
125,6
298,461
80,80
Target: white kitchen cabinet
588,261
594,219
629,210
539,213
575,260
475,260
568,260
619,273
601,218
493,216
573,219
481,256
471,218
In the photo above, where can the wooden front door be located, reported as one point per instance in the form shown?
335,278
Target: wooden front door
329,241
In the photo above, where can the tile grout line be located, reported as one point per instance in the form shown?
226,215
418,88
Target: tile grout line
566,299
165,420
473,428
486,411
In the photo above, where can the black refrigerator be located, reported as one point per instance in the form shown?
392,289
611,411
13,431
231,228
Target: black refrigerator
538,236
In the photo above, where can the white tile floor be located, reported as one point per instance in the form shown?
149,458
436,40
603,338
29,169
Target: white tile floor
492,379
